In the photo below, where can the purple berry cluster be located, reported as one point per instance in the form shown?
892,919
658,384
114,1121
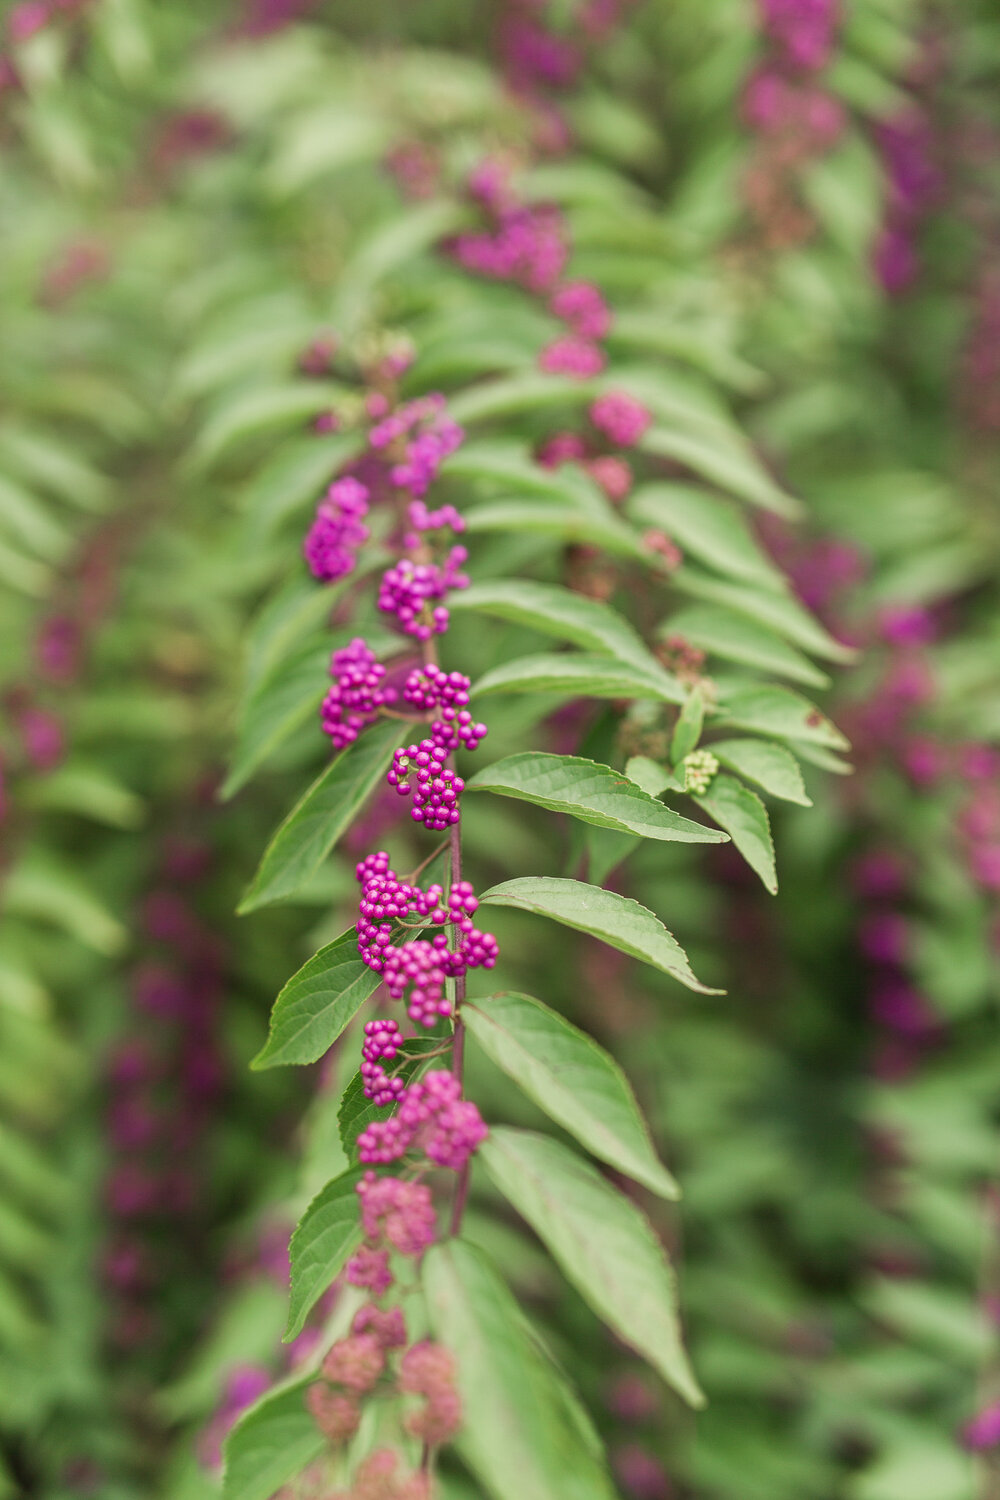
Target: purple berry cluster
422,434
357,695
420,965
411,592
433,1118
333,539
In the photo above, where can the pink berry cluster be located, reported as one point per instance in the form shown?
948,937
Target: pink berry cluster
420,965
412,593
616,418
793,116
419,436
397,1218
338,530
357,695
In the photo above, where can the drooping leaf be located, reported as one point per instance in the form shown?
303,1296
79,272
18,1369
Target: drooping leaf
594,793
601,1241
326,1235
558,611
733,466
524,1434
259,410
562,522
744,817
270,1444
578,673
572,1079
616,920
314,825
712,529
778,612
734,637
317,1003
510,394
281,702
511,466
771,766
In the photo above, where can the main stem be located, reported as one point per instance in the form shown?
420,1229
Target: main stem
458,1042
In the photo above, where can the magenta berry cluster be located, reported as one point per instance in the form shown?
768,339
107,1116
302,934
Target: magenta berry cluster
332,542
420,966
433,1118
357,695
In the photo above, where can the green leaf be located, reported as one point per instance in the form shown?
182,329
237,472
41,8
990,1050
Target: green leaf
296,476
512,466
743,815
652,777
710,528
26,520
572,1079
771,766
317,1003
601,1241
569,526
779,612
271,1443
357,1112
88,790
524,1434
256,412
594,793
557,611
40,888
580,674
616,920
314,825
781,712
734,637
281,702
687,730
511,394
326,1235
730,465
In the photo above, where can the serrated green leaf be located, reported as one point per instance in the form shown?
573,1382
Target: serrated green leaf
601,1241
558,611
326,1235
744,817
771,766
317,1003
594,793
781,712
581,674
524,1435
572,1079
616,920
271,1443
314,825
